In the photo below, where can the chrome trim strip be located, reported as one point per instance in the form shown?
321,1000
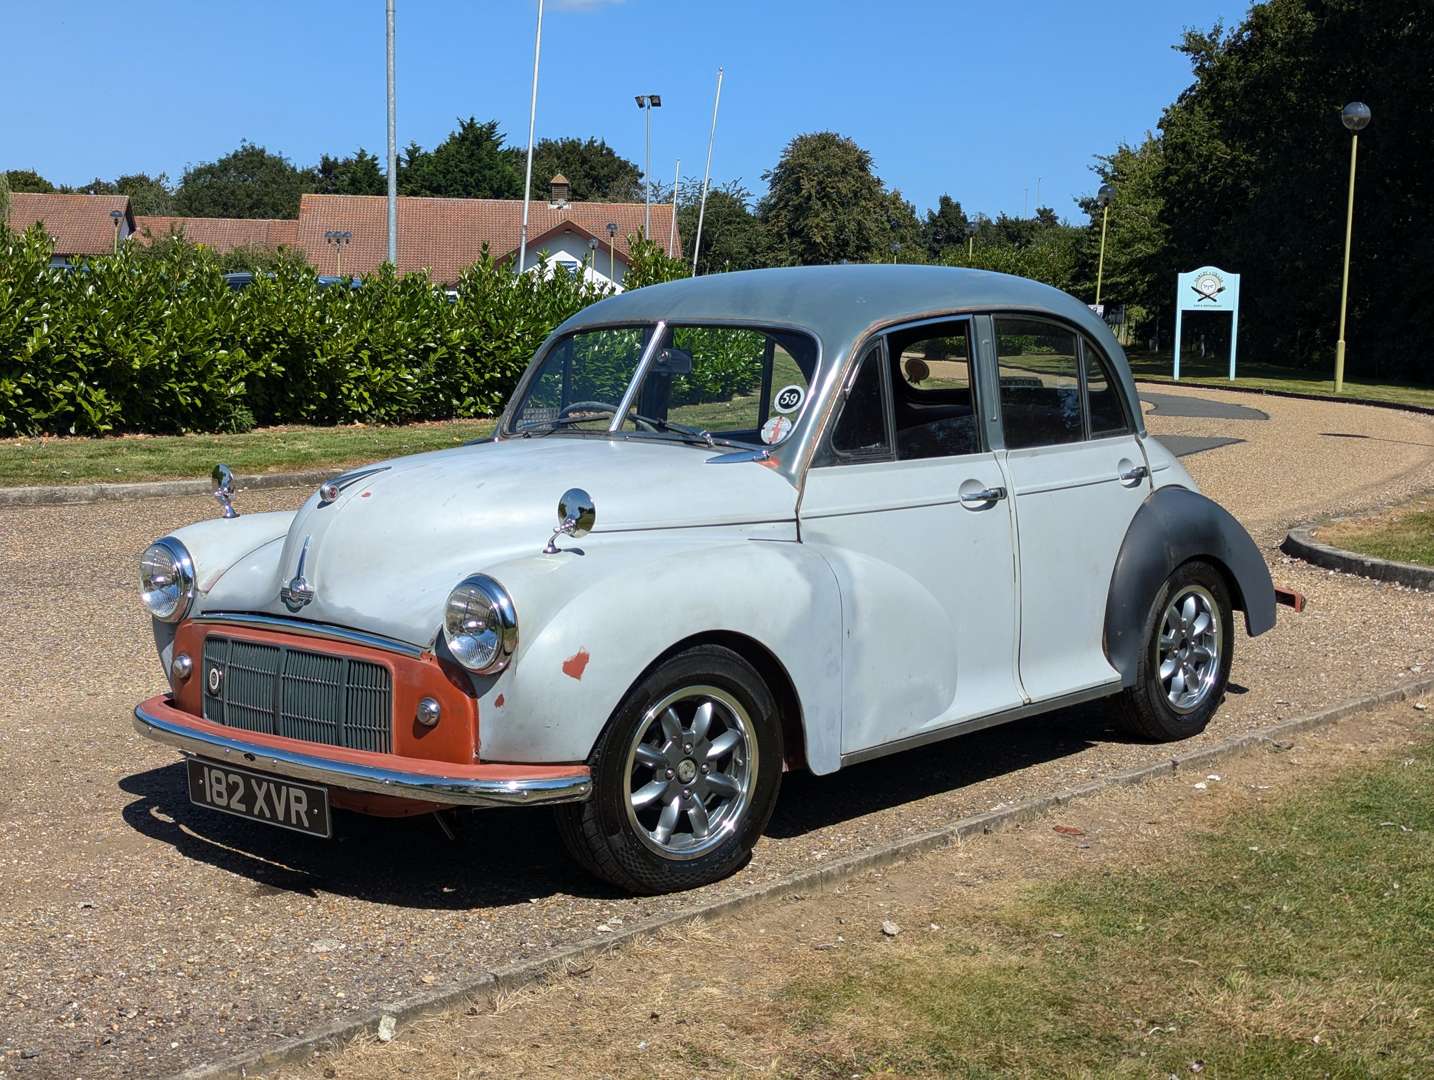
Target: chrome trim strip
352,777
643,363
309,629
977,723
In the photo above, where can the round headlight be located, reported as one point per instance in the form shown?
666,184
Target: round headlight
166,579
480,625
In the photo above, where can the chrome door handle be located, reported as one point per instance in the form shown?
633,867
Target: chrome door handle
1134,474
982,497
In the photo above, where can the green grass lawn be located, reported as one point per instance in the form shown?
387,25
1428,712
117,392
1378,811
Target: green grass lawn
1403,535
267,450
1157,367
1296,942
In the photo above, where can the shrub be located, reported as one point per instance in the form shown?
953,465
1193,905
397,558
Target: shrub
153,340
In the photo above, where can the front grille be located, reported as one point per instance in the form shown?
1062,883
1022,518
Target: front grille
298,694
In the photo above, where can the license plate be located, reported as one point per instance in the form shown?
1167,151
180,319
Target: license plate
270,799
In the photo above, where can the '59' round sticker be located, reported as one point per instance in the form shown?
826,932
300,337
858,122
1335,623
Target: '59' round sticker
788,399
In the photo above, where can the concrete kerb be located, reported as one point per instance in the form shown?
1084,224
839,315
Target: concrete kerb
1301,543
1237,388
65,494
484,985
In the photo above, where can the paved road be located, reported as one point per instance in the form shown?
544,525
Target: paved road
143,935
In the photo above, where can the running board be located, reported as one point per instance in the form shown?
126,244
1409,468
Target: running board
979,723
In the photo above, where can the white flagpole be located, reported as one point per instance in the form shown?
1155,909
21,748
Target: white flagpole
392,149
532,122
672,226
706,174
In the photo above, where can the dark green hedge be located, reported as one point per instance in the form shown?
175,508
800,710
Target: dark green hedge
157,342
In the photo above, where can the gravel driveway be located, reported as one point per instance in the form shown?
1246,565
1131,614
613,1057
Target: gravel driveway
143,935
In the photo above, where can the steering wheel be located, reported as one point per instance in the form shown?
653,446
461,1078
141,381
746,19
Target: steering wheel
597,406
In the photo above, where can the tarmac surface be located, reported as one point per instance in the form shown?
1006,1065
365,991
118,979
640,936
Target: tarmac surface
144,935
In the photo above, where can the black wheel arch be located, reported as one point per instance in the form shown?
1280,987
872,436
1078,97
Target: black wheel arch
1173,526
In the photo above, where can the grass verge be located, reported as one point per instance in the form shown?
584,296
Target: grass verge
1403,534
1157,368
129,458
1296,942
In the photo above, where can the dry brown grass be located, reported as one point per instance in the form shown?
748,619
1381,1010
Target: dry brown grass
1000,940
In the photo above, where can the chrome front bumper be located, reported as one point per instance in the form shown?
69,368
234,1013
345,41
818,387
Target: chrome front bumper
474,785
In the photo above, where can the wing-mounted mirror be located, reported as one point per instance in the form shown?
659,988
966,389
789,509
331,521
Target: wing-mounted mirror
576,517
223,478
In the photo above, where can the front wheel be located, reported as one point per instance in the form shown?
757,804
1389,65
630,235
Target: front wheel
1185,667
685,776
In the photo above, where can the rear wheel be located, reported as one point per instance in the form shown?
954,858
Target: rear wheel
685,776
1185,667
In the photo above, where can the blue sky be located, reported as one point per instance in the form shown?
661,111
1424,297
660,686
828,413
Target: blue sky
976,100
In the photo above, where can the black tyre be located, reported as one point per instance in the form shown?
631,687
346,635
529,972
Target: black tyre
1185,666
685,776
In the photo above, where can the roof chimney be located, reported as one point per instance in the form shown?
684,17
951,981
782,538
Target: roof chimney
558,190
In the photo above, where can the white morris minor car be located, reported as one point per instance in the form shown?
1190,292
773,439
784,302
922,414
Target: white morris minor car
806,517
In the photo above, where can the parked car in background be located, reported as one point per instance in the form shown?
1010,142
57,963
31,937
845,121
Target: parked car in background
806,517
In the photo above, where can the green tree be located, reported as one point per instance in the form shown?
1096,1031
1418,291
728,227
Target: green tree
825,204
903,229
1136,257
147,194
360,174
469,164
732,237
595,171
1255,167
249,182
4,201
28,180
945,227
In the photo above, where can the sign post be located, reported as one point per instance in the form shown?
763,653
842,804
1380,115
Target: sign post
1207,289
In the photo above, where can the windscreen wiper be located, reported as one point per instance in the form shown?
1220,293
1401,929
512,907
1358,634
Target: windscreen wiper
672,425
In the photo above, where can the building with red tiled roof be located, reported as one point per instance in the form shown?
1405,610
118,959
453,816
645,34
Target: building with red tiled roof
223,235
446,236
78,224
441,236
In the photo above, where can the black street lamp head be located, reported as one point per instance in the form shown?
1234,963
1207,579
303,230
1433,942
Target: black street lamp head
115,215
611,229
655,100
1355,116
1105,196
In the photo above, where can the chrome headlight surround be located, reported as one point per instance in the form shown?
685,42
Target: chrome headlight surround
166,580
480,625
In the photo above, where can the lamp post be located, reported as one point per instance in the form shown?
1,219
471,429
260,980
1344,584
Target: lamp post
118,215
1355,118
592,252
338,237
1103,199
970,238
612,251
647,102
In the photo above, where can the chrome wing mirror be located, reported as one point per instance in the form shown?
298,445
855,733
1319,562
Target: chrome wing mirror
576,517
224,490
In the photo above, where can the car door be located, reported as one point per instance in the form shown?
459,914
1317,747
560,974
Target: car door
1078,474
908,505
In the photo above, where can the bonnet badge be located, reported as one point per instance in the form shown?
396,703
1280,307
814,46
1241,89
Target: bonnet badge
298,592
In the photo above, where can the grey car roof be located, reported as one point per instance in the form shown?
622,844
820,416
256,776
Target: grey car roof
840,303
